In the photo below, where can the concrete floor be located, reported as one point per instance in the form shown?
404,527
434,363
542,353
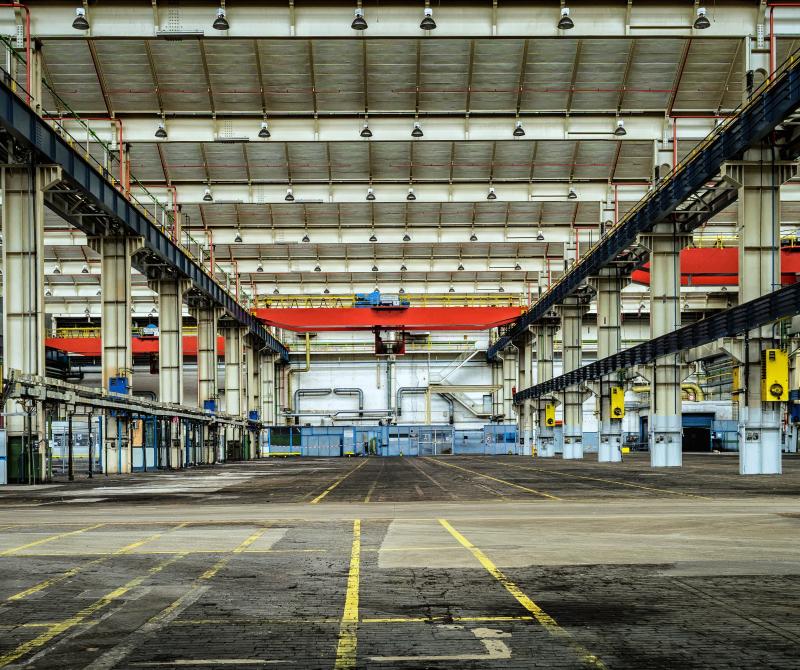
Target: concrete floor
453,562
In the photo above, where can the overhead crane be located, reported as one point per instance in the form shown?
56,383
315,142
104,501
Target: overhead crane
692,194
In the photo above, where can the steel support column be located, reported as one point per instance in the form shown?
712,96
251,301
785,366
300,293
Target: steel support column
571,312
608,284
760,178
170,357
525,411
545,435
665,431
207,371
510,372
23,307
266,378
251,392
115,286
234,381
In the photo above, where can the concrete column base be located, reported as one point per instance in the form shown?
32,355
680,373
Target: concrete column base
573,443
666,442
760,443
546,446
609,449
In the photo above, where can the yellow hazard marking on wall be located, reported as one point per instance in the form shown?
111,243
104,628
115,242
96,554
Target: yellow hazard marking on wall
337,482
543,618
495,479
347,647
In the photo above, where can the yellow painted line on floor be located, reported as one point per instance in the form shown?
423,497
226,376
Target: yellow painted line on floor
47,583
51,538
495,479
543,618
609,481
337,482
222,562
346,649
76,619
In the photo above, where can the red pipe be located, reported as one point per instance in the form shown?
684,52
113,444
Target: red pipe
773,41
675,118
28,78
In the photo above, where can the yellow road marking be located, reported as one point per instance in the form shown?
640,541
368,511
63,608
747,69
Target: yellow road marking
609,481
495,479
80,568
52,538
428,619
348,629
375,483
543,618
222,562
337,482
80,617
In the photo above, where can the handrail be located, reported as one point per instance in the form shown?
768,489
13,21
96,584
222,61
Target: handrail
707,154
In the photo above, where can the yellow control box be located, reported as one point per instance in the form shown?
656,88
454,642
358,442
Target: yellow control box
774,375
617,396
550,415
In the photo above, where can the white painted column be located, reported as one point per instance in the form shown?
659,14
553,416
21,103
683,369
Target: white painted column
234,378
608,285
207,367
23,308
510,372
524,414
759,216
115,285
545,435
170,358
665,429
251,391
571,312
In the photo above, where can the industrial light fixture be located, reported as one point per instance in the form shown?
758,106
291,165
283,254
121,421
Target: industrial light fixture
80,22
540,235
411,195
374,268
306,238
519,131
220,23
427,21
264,132
289,195
406,238
700,23
417,130
451,290
619,131
207,197
572,194
57,269
373,238
473,238
370,194
317,268
47,292
491,195
501,290
275,291
85,269
401,291
365,131
260,267
86,312
161,132
326,291
460,266
403,268
99,292
238,237
565,23
359,23
517,266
